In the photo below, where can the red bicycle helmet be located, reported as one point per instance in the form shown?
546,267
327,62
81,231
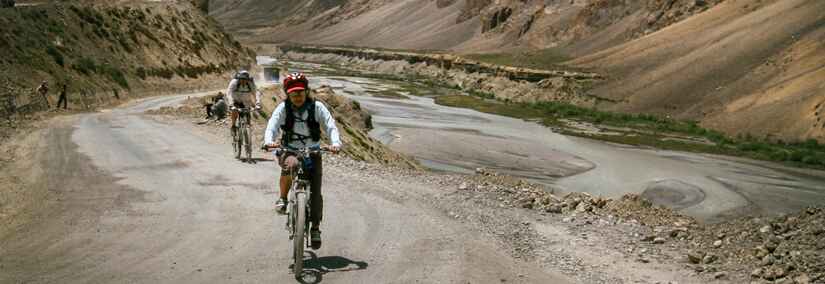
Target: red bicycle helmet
295,82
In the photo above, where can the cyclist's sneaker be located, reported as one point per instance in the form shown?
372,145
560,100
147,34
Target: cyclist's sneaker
315,238
280,206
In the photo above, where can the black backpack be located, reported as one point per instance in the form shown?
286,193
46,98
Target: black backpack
314,126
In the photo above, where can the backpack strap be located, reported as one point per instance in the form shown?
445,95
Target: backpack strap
289,124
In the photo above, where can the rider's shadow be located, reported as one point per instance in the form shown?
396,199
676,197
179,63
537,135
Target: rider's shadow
315,267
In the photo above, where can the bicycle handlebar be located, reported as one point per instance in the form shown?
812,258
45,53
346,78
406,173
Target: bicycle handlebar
321,148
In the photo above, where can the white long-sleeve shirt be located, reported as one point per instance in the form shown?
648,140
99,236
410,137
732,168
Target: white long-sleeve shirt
322,116
242,93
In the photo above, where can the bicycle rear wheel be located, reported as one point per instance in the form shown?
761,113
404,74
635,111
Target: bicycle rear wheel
299,236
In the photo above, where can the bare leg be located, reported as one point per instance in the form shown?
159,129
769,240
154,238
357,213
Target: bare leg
285,182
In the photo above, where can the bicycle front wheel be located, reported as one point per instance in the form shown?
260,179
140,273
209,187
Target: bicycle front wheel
236,143
247,143
300,230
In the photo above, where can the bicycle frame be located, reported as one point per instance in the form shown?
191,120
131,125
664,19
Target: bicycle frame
242,139
299,196
299,185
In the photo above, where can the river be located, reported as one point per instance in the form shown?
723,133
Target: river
708,187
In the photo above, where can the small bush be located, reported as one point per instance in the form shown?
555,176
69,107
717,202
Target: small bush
56,55
141,73
85,65
118,76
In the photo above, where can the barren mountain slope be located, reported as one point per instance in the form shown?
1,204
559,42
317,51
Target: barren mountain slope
460,25
743,67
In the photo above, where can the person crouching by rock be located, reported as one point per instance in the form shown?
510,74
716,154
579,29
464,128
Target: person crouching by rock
219,107
216,108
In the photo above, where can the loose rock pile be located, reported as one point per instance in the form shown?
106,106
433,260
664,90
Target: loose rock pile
786,249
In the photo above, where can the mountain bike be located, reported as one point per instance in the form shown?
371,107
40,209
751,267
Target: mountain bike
298,200
241,137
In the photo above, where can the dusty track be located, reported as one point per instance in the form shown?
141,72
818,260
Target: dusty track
131,199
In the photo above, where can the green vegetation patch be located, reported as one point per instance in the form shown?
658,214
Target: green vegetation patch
648,130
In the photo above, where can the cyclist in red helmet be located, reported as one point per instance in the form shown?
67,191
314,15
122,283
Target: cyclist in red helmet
300,118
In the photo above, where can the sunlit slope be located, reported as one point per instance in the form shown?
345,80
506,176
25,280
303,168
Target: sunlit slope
743,67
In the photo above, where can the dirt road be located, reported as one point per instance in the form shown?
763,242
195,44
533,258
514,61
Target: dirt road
134,200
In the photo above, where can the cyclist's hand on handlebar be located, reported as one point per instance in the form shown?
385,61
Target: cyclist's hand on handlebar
270,146
334,149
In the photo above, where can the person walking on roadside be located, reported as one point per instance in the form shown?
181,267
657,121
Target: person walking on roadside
43,89
300,118
62,99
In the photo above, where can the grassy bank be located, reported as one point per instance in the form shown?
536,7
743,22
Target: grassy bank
648,130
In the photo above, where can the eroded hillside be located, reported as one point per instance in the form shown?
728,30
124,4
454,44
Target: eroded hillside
745,67
103,49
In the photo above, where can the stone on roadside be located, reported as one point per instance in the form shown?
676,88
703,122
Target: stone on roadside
583,207
696,256
768,260
659,240
720,275
553,208
771,246
717,243
677,231
463,186
774,272
526,203
761,251
766,229
802,279
784,281
709,258
757,273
